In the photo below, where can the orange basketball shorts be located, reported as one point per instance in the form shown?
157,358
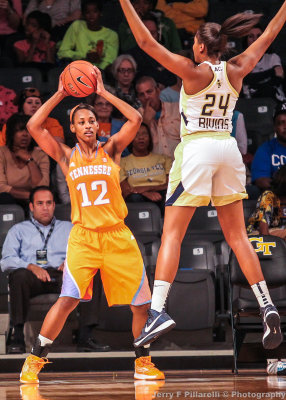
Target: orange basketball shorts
116,254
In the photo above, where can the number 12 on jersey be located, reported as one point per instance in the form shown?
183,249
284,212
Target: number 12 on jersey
95,185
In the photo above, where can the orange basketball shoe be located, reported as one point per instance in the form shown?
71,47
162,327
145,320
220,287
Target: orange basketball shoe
31,368
145,369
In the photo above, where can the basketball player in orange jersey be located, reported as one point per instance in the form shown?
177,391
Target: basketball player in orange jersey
99,238
208,165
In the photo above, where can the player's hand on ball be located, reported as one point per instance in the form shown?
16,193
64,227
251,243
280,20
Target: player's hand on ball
61,87
100,86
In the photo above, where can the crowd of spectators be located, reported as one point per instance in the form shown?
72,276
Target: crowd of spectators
51,33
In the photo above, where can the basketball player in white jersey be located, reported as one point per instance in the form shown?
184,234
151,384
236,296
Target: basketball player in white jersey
208,165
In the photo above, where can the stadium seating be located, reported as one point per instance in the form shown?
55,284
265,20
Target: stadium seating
20,78
63,212
195,283
205,225
244,308
258,115
10,214
145,222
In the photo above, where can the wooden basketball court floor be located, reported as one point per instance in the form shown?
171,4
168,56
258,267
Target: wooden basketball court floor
194,384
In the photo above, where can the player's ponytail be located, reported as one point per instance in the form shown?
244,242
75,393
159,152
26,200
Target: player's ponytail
214,36
240,24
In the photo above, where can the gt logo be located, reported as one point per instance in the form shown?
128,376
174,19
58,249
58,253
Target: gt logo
264,247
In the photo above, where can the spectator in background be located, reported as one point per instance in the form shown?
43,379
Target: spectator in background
37,50
22,165
269,218
108,125
29,101
240,134
10,19
266,78
124,70
146,65
171,94
239,131
162,118
62,13
7,106
87,39
168,34
144,174
187,15
33,254
271,155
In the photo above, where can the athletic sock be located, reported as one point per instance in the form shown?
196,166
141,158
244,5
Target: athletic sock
160,294
41,347
262,294
142,351
44,341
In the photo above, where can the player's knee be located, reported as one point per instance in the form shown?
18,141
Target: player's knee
67,304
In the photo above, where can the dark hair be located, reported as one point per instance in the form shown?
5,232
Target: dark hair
214,36
17,122
280,109
278,184
150,146
43,19
85,3
81,106
151,17
39,189
25,94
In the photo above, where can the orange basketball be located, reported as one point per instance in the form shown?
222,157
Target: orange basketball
78,79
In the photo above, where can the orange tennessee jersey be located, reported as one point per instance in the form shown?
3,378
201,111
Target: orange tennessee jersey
95,192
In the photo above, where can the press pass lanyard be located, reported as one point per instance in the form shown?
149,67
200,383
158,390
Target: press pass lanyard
42,234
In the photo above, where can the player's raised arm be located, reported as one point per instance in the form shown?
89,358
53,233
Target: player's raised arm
147,43
127,133
58,151
247,60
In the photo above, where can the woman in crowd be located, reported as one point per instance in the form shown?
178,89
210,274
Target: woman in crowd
22,165
144,174
124,70
29,101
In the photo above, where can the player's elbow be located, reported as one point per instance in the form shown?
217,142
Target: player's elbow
138,118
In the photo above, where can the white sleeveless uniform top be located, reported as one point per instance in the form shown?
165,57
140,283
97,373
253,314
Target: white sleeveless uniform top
211,109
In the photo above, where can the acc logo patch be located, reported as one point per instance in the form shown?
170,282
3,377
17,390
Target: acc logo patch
261,246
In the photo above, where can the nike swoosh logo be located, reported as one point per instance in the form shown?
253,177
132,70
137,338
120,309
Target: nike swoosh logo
83,83
147,329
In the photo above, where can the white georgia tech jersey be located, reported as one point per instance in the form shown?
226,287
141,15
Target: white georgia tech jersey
210,109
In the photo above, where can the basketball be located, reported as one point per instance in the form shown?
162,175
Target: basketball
78,79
